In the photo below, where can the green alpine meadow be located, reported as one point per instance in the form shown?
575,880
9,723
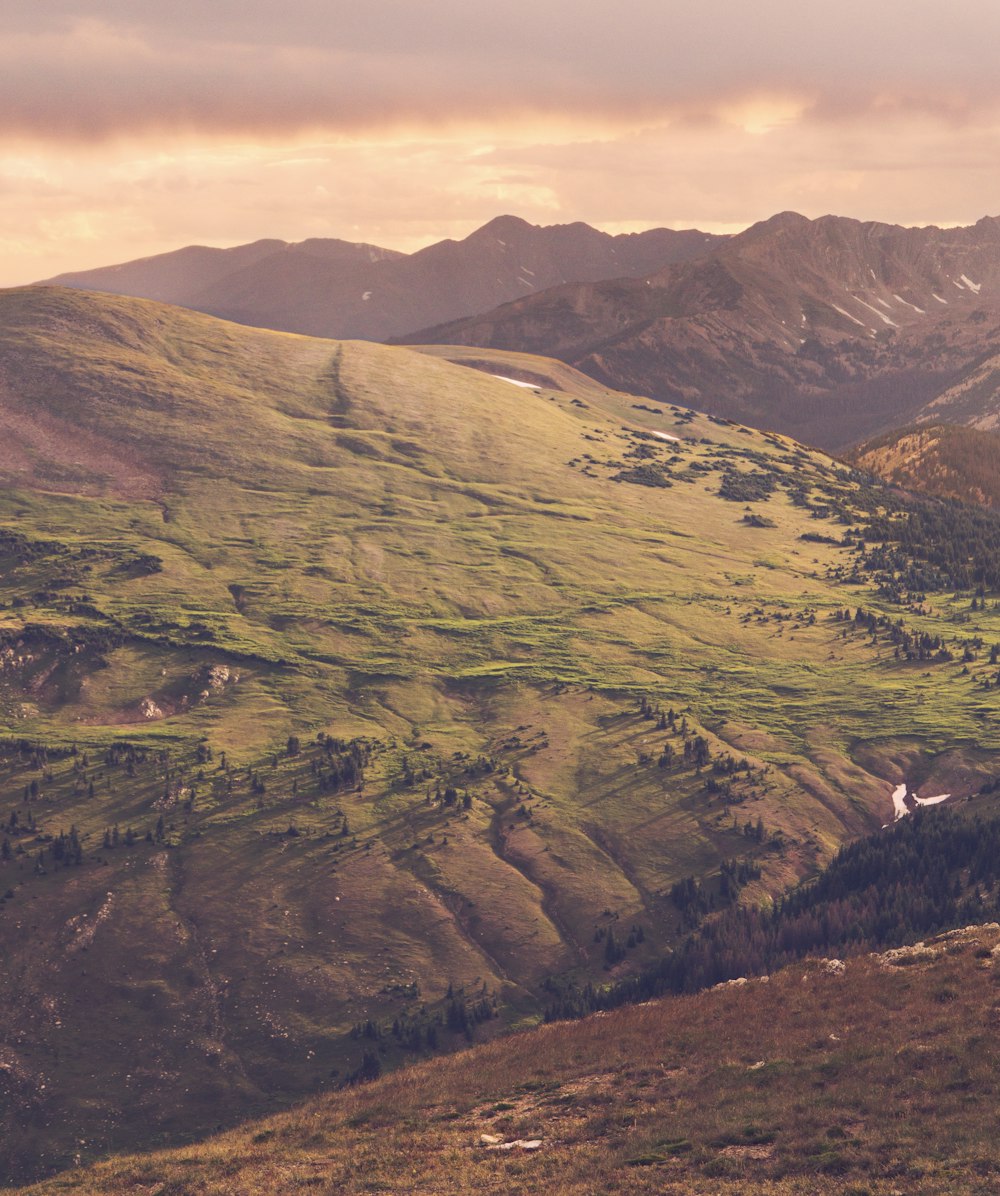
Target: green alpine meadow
362,702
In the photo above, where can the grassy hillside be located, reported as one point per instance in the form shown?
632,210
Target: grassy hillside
941,459
874,1077
346,687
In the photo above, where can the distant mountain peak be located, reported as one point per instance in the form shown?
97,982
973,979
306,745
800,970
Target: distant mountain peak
501,225
342,289
831,330
780,222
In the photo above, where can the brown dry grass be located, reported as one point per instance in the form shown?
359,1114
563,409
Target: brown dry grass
881,1079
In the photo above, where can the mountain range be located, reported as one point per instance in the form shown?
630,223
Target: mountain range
332,288
831,330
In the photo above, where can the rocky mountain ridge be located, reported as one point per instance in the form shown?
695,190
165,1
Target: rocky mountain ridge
338,289
828,329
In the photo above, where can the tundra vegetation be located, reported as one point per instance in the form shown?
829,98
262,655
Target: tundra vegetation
357,703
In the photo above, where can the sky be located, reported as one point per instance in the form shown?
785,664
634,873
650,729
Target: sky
133,127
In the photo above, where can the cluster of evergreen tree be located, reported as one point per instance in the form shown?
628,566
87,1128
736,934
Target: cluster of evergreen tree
756,486
934,545
650,474
695,899
908,644
421,1030
60,851
342,765
31,754
931,871
128,754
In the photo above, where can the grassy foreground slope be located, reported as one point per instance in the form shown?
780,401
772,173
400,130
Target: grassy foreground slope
876,1077
351,694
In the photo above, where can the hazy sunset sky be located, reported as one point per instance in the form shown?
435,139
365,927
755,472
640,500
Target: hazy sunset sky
129,128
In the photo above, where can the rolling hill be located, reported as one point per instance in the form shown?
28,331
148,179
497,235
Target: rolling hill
352,693
942,459
830,330
339,289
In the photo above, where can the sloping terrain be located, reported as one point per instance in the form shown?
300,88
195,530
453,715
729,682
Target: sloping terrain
943,459
352,693
878,1076
830,330
335,288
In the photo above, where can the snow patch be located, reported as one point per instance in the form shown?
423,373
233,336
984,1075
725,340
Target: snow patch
516,382
878,299
899,801
853,319
909,304
666,436
938,298
875,311
973,286
525,270
366,296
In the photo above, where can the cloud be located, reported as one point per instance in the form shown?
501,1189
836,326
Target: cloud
74,70
69,208
129,128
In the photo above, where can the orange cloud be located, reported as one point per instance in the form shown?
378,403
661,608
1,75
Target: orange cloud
128,128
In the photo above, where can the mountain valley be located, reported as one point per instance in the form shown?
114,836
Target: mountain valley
357,700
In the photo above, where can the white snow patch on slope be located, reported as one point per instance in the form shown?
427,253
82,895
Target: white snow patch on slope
525,270
666,436
853,319
878,299
366,296
973,286
875,311
957,284
516,382
909,304
938,298
899,801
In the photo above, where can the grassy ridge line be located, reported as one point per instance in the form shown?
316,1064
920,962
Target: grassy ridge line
788,1100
